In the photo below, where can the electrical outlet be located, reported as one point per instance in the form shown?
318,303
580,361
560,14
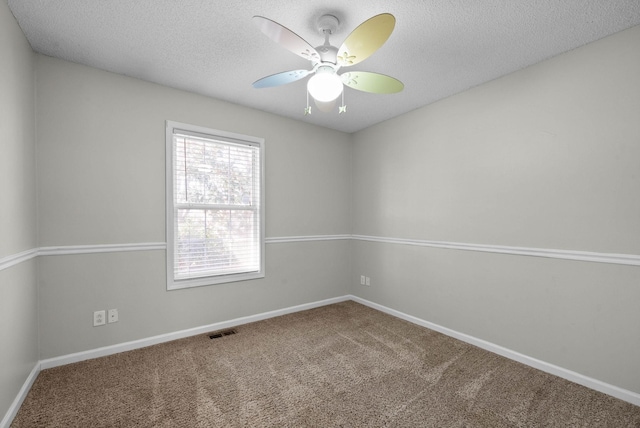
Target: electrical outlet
112,316
367,281
99,318
361,279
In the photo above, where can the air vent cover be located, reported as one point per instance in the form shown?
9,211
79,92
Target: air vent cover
220,334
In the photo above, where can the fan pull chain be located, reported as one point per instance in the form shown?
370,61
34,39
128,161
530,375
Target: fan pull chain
307,109
342,108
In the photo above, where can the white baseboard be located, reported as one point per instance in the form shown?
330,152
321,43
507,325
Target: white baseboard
622,394
141,343
22,394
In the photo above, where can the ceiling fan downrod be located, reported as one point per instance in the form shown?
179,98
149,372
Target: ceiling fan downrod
327,25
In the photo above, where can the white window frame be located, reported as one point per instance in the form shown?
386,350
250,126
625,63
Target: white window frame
222,136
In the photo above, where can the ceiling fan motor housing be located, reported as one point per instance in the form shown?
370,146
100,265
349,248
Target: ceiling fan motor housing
328,54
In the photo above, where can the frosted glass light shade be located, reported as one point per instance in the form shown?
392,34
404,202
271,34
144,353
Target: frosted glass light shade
325,87
325,107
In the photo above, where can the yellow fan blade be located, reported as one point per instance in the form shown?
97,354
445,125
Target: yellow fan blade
366,39
372,82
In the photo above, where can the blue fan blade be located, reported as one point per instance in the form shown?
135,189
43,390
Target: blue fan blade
280,78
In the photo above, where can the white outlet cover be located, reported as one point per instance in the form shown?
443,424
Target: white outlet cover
99,318
113,315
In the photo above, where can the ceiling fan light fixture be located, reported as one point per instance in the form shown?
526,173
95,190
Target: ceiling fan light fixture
325,86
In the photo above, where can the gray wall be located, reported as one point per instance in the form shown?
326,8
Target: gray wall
548,157
101,172
18,290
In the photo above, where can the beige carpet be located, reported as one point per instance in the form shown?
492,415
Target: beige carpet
343,365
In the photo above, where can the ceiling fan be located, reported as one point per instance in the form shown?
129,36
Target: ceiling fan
326,85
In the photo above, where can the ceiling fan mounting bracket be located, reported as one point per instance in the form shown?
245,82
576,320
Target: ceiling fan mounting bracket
328,24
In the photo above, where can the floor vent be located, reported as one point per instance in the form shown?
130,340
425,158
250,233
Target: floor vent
220,334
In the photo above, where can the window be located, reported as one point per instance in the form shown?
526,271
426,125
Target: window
215,206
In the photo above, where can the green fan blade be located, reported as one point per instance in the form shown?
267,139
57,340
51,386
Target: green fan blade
372,82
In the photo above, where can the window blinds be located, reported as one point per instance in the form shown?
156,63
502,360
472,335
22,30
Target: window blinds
216,192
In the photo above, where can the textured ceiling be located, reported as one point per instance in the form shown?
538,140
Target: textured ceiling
438,47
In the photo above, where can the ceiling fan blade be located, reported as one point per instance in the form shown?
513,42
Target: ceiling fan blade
280,78
372,82
286,38
366,39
